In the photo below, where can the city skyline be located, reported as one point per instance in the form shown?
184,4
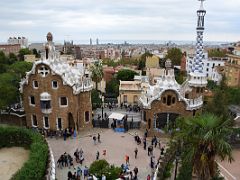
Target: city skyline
112,20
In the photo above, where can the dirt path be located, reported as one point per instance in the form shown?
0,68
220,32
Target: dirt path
12,159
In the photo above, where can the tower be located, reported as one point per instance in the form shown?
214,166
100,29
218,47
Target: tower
90,41
97,42
196,77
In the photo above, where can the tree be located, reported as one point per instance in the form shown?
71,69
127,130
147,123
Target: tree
112,87
175,55
217,53
96,101
8,89
12,58
97,73
126,75
100,167
36,53
3,58
20,68
23,52
205,138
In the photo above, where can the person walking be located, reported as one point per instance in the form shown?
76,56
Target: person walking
144,144
136,152
97,155
98,137
135,170
127,159
94,139
148,177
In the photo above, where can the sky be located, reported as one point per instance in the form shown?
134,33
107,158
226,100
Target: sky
80,20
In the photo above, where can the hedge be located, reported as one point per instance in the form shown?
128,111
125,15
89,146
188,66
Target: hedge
35,167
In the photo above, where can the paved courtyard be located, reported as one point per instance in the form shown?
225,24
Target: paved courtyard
117,146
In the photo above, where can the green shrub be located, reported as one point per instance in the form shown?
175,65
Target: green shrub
35,167
100,167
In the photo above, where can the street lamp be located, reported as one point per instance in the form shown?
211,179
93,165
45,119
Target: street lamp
176,165
102,105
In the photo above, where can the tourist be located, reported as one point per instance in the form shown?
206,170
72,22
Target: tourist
135,170
162,150
98,137
79,173
136,152
94,139
155,143
131,175
81,159
97,155
74,177
127,159
144,143
146,133
104,152
70,175
148,177
85,172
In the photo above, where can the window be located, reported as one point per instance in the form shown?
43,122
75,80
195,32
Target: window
54,84
63,101
35,84
173,100
45,104
207,74
207,69
46,122
169,100
34,121
164,100
194,112
144,116
207,64
59,123
44,71
32,100
86,116
187,96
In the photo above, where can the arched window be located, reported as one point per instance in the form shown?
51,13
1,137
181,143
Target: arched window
164,100
173,100
169,98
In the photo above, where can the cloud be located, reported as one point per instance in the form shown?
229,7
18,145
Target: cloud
114,19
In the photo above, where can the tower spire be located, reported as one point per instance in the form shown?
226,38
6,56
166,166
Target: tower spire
198,59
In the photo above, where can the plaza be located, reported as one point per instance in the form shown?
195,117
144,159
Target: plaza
117,146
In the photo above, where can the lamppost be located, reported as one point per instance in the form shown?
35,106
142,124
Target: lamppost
176,163
102,97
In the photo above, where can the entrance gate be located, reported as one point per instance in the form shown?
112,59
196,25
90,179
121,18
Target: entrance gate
163,120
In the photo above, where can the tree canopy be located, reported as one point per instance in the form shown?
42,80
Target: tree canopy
203,139
217,53
11,72
175,55
102,167
22,52
97,73
126,75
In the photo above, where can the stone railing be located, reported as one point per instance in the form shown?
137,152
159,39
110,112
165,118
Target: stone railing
51,168
194,103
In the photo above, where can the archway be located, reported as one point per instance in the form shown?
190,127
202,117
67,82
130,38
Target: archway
166,120
71,123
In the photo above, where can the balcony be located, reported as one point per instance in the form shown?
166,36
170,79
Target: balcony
46,111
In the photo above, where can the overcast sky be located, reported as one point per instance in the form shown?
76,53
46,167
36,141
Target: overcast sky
118,19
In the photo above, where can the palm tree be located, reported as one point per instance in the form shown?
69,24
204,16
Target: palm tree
97,73
205,138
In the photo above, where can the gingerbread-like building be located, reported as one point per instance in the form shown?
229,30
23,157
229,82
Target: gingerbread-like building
56,95
166,100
